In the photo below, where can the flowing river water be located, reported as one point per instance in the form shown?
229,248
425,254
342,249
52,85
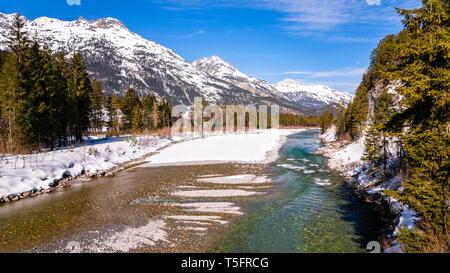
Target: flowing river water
295,204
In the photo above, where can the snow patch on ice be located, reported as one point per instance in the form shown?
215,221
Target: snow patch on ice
236,179
214,193
212,207
132,238
253,147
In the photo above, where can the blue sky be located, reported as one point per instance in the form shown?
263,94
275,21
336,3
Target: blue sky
314,41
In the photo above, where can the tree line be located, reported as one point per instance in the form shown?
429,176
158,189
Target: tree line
47,100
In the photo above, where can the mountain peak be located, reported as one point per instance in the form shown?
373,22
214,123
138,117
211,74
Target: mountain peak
109,22
288,85
289,81
217,67
81,18
312,94
216,59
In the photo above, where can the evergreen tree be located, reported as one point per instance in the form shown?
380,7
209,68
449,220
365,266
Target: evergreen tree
147,104
61,99
28,99
165,113
340,122
138,124
115,122
326,120
97,106
17,40
378,138
8,97
129,103
424,67
79,92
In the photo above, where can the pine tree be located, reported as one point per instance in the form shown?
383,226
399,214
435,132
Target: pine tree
424,68
28,99
326,120
61,99
138,124
79,91
378,138
115,122
129,103
17,40
14,79
8,90
97,106
357,112
340,122
147,104
165,114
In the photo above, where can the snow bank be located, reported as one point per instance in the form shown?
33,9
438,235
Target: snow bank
407,219
344,158
212,207
236,179
347,158
214,193
22,173
255,147
350,154
329,135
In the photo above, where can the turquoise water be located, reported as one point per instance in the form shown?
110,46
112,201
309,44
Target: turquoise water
307,210
314,212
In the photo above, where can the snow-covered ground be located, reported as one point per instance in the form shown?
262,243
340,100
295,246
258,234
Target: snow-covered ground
21,173
255,147
347,159
33,172
342,157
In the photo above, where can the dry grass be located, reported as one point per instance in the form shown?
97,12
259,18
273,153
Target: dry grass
344,137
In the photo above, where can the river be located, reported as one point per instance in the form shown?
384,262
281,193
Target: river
304,207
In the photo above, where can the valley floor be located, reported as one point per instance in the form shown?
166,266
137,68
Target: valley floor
31,174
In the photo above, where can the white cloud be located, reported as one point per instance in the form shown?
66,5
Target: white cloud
345,72
73,2
190,35
305,16
373,2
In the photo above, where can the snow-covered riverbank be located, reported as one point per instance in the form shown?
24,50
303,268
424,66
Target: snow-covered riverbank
255,147
32,173
24,175
347,158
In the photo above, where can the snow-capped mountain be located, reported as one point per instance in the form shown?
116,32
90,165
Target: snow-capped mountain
314,96
121,59
218,68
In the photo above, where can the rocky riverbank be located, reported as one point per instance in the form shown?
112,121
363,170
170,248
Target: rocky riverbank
345,157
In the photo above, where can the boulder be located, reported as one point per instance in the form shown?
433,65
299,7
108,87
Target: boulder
110,174
66,174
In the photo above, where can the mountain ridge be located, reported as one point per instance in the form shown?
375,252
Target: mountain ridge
315,95
121,59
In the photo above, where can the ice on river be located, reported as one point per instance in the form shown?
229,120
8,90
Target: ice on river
214,193
236,179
